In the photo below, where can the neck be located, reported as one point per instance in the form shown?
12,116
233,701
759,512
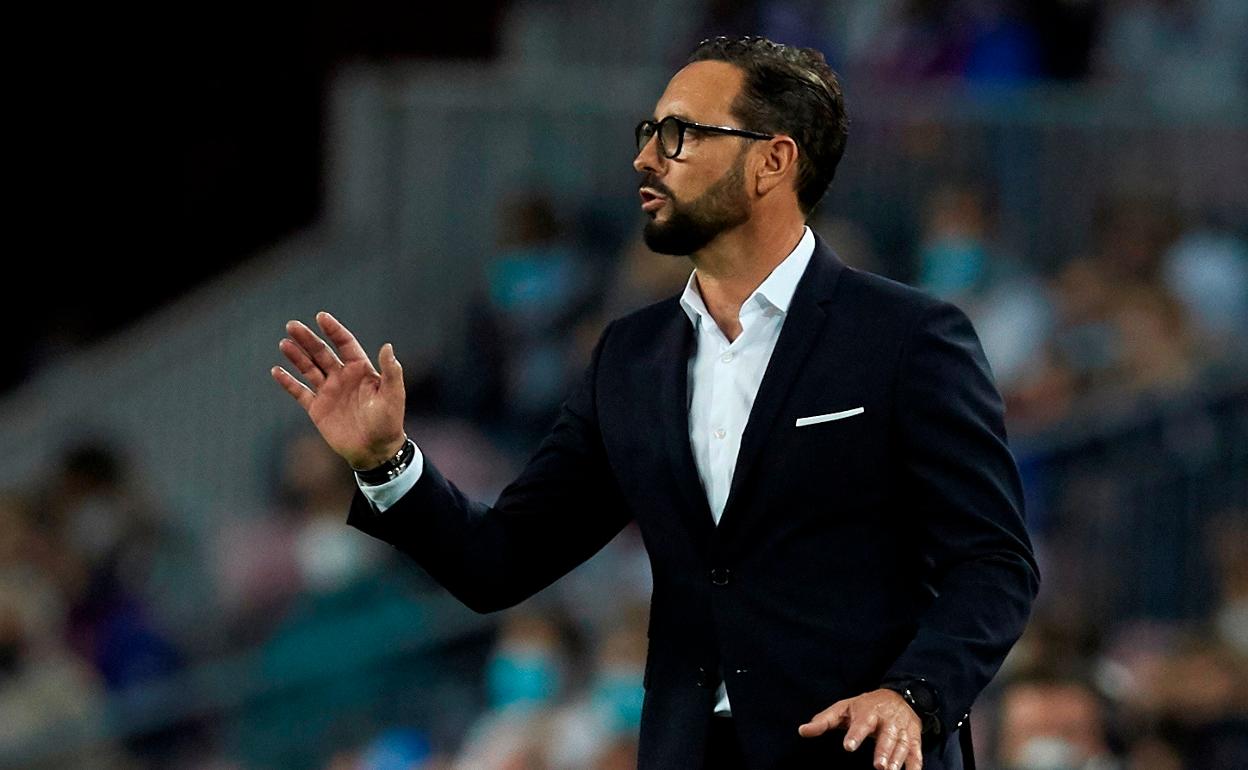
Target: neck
732,266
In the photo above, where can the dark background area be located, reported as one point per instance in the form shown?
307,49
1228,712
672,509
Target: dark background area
166,146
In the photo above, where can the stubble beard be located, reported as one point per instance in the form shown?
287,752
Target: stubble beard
690,228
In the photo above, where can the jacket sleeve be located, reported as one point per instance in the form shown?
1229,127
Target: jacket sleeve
962,489
563,508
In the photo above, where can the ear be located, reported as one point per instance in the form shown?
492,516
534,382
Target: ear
776,163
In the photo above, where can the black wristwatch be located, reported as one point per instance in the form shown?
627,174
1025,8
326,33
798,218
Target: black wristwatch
922,698
390,469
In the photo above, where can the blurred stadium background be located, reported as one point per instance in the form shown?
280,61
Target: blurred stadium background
178,588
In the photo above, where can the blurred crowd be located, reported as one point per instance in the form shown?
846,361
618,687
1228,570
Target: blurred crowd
102,602
1156,302
1153,305
1147,693
1183,55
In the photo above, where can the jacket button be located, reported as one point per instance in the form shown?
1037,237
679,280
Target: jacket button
705,678
719,576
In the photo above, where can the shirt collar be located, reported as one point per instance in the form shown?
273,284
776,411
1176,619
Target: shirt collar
776,290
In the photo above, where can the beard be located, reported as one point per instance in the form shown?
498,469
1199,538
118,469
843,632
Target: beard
690,228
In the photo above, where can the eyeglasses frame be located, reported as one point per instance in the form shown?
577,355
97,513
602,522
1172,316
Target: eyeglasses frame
684,125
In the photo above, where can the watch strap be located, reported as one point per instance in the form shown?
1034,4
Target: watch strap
923,698
390,469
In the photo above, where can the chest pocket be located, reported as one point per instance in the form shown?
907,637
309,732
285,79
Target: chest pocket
837,450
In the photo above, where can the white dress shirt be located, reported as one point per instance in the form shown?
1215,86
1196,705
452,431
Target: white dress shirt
723,381
724,378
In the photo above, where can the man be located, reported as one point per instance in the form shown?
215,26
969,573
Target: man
853,563
1051,719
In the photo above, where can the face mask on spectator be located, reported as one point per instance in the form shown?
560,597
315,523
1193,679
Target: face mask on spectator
953,267
618,694
330,557
1048,753
1231,622
532,285
527,675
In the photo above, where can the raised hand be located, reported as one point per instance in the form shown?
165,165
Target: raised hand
358,411
881,713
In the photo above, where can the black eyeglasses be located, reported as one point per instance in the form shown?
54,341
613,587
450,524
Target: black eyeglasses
671,131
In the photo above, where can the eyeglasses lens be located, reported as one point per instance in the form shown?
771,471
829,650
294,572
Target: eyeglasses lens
668,130
669,136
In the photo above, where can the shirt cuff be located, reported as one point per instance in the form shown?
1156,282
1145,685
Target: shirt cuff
382,496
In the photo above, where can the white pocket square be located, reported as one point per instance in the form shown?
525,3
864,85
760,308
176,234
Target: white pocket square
817,418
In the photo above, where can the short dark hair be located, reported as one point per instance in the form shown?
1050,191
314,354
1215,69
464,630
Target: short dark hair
792,91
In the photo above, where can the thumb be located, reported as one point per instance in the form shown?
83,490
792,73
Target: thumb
391,370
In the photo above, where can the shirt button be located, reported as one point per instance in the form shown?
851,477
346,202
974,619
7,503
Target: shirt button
720,433
726,357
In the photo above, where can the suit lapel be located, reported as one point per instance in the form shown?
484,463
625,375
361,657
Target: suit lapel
677,346
802,325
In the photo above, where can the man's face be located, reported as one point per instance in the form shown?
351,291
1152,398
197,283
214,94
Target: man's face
692,198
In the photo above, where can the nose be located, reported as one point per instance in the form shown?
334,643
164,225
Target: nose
648,157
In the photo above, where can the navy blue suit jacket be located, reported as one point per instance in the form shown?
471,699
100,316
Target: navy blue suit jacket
889,543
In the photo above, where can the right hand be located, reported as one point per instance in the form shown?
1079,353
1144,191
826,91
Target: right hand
358,411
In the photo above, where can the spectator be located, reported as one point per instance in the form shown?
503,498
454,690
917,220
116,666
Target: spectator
1052,723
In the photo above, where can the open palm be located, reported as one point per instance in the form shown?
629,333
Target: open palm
358,410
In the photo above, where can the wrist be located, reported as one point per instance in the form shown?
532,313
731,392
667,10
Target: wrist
385,467
377,456
922,697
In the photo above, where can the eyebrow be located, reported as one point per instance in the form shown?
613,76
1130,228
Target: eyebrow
681,115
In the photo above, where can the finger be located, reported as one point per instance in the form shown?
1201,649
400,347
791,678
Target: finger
391,372
884,744
310,371
295,388
900,751
859,730
348,347
314,347
828,719
914,758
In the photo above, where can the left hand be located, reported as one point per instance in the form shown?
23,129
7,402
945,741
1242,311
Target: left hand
880,713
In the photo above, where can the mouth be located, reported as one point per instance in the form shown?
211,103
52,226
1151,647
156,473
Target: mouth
650,200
